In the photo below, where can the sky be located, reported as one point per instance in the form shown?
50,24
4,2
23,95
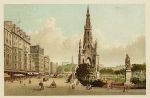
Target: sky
119,29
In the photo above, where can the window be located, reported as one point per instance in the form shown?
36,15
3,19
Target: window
7,40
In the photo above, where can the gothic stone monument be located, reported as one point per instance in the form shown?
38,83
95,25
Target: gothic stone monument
128,70
88,50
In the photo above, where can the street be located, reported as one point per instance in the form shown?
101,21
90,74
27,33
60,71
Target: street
17,89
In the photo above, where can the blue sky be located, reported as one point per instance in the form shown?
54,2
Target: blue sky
113,22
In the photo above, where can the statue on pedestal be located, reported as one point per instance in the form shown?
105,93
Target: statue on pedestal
128,74
127,62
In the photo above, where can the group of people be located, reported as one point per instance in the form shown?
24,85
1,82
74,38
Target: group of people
41,85
73,83
88,86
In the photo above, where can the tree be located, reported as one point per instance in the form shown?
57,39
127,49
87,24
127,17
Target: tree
68,67
84,73
135,80
121,71
59,70
138,67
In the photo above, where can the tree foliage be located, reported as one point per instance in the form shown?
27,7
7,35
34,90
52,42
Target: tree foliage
138,67
138,83
59,70
83,74
66,68
111,71
119,72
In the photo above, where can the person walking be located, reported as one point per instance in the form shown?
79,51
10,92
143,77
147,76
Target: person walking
29,81
20,82
124,89
73,85
41,86
53,84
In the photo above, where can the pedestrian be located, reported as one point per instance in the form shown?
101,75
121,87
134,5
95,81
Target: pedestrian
124,89
108,86
53,84
29,81
88,87
77,83
20,82
41,85
73,86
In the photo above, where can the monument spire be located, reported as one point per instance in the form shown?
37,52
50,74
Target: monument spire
88,23
88,49
87,30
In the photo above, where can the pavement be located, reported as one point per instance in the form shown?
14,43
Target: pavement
64,89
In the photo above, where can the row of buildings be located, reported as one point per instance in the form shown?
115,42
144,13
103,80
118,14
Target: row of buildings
22,57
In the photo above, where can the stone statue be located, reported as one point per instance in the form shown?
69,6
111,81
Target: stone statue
127,62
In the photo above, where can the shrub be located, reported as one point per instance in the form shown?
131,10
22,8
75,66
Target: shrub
83,74
98,83
135,80
139,83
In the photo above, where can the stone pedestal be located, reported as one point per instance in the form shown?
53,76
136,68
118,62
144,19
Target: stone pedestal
128,76
97,75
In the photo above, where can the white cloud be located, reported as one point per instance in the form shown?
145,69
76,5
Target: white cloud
60,48
55,44
115,55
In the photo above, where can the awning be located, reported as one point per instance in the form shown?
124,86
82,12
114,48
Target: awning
18,75
35,73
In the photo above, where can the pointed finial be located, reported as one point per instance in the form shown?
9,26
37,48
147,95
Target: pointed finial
88,10
72,59
80,43
95,43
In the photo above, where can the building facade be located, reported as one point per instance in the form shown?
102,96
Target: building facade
53,67
88,49
32,64
37,54
8,26
16,48
46,64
